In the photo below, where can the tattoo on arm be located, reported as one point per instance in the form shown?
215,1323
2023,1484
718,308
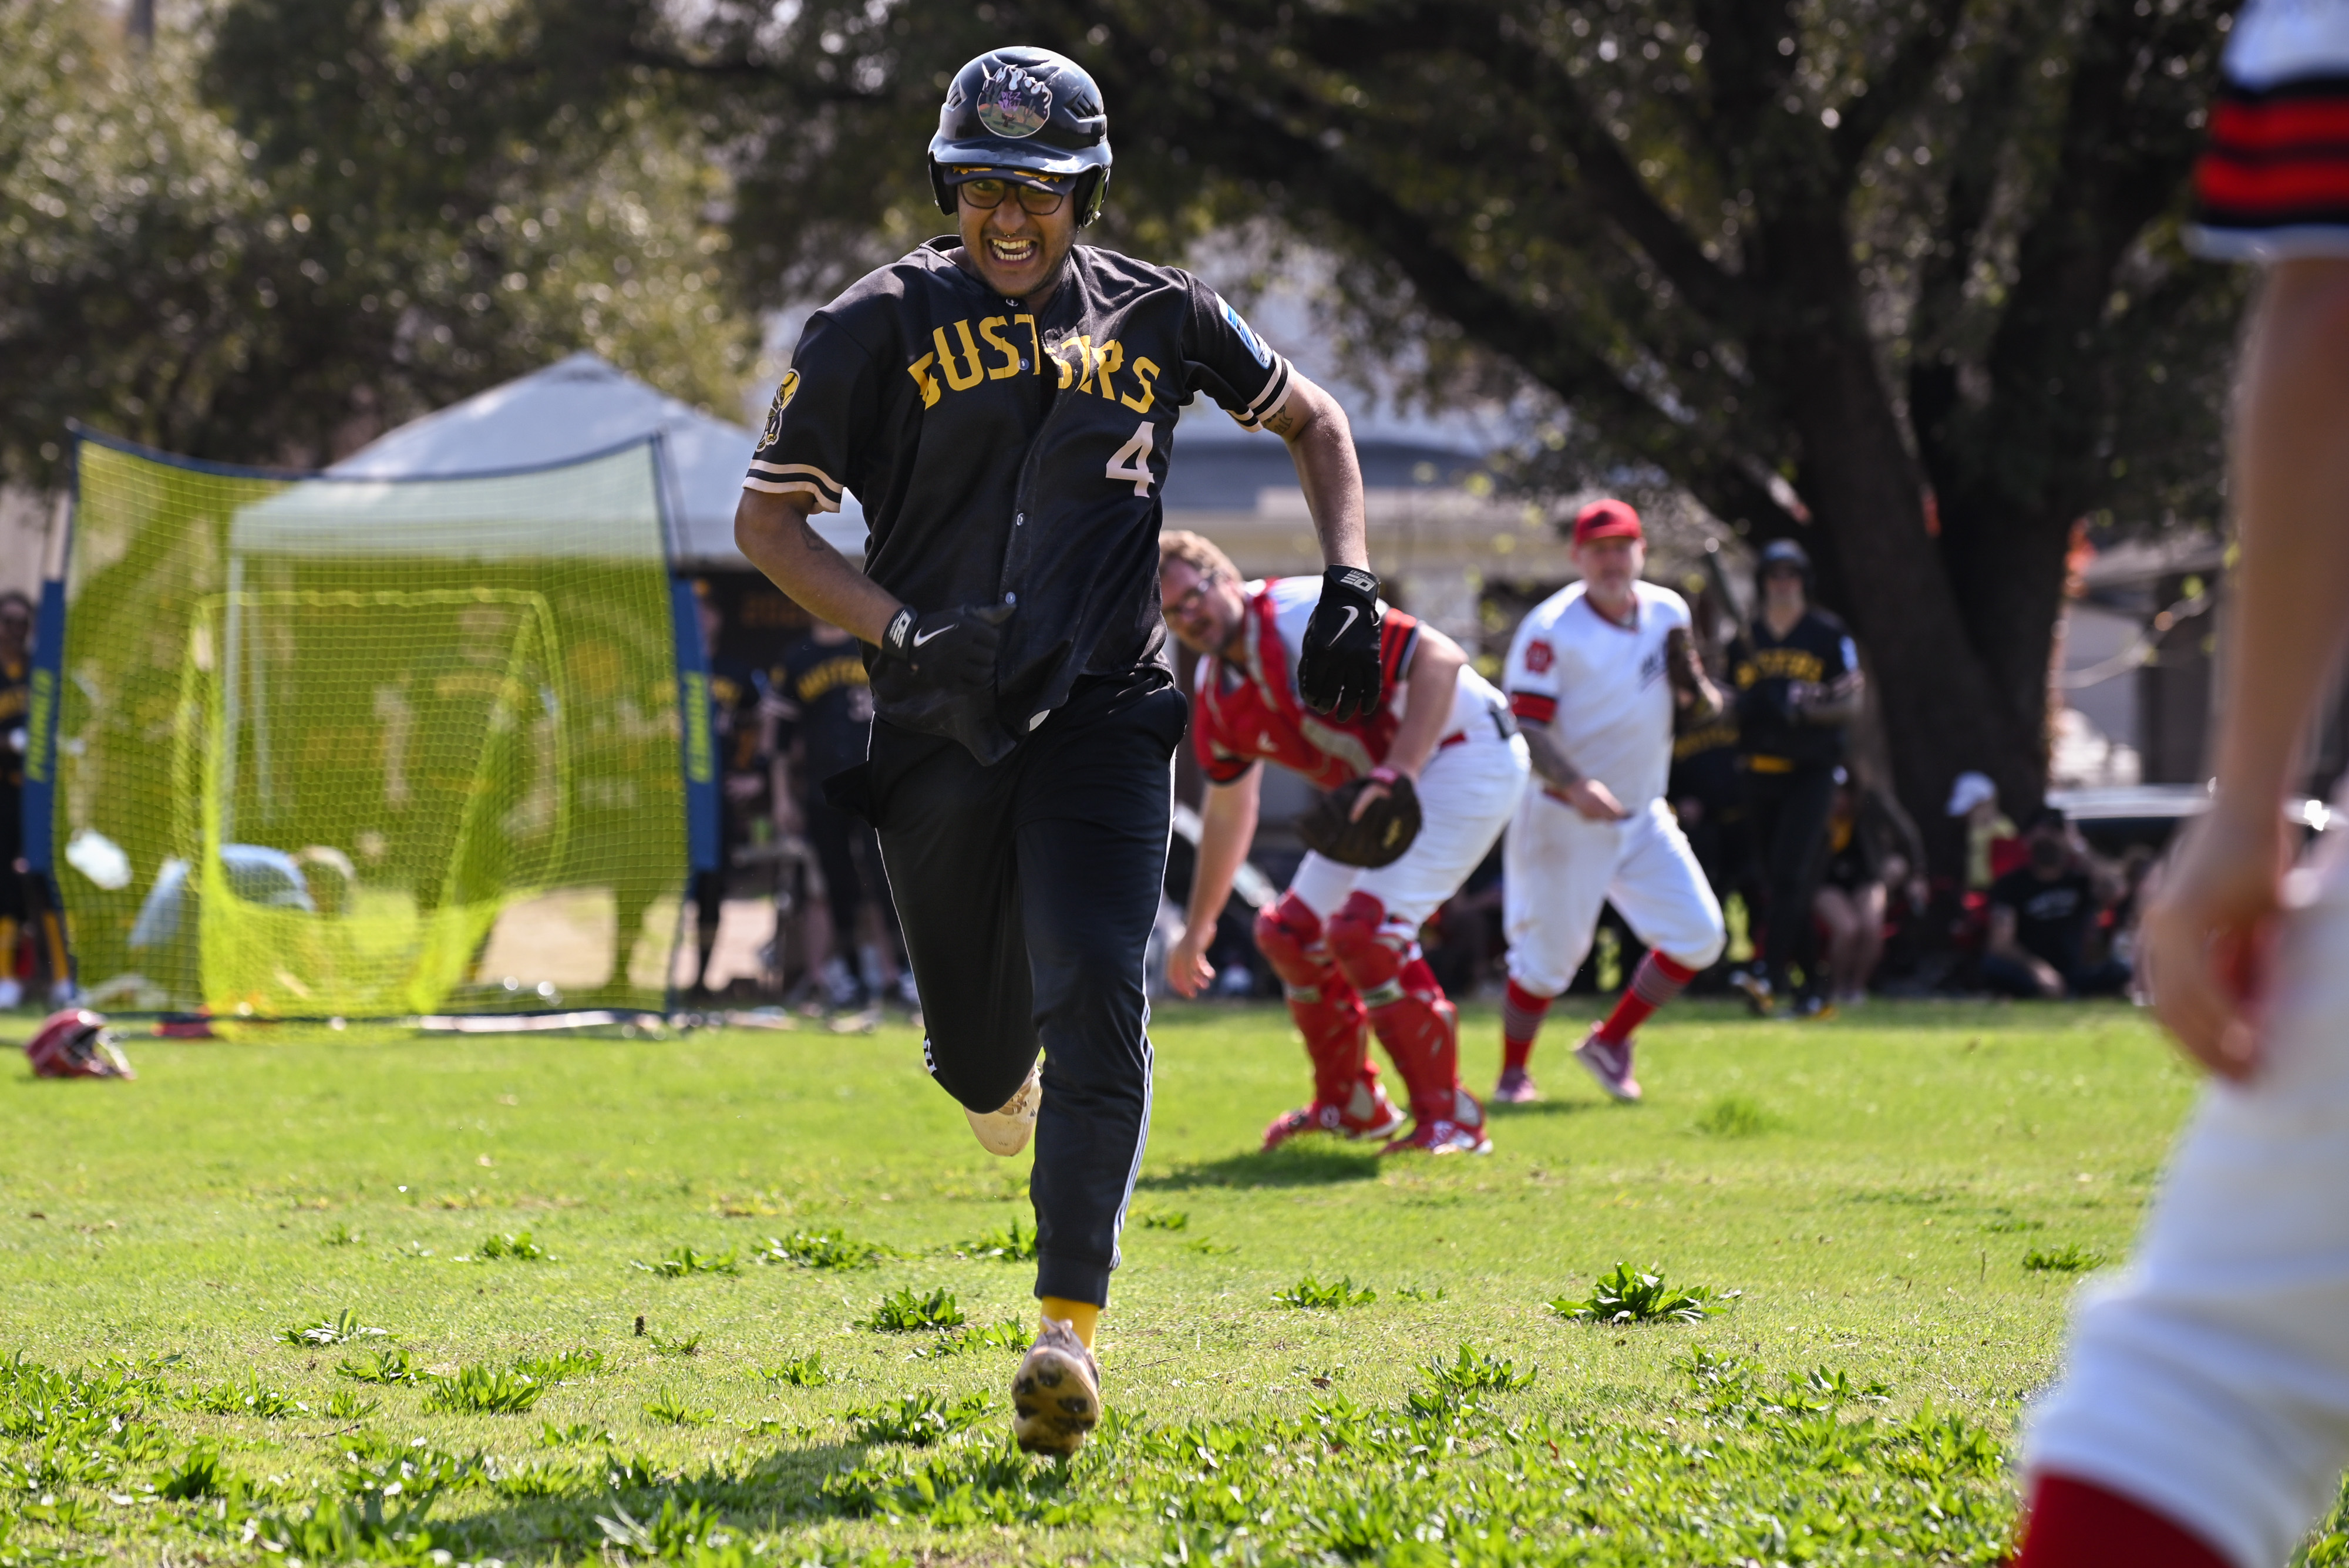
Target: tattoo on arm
1549,759
1283,421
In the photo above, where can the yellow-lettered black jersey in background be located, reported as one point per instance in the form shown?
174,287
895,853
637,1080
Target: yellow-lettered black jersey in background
1013,458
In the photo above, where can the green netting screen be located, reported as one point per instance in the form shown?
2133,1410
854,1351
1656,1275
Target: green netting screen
331,747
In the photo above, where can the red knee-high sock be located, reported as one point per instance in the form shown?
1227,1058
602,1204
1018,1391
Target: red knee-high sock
1656,982
2078,1524
1521,1020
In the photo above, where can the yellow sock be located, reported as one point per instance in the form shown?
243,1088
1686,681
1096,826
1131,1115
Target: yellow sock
1082,1317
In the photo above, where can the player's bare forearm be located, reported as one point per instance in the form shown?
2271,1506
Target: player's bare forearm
2292,493
774,531
1429,691
1551,764
1321,445
1840,701
1226,827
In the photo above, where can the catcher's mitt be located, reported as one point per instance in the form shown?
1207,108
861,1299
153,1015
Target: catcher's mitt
1379,838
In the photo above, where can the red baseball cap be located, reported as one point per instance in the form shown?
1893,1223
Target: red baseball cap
1608,519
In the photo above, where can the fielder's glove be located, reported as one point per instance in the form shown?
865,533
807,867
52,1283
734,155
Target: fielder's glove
1340,670
1382,834
950,651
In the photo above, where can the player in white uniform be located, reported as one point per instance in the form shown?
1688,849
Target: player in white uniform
2203,1414
1591,679
1344,939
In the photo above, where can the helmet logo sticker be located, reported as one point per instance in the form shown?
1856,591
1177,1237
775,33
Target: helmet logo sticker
1247,335
1014,102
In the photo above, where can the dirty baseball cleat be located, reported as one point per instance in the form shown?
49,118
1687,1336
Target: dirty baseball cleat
1516,1089
1056,1393
1006,1132
1610,1062
1368,1114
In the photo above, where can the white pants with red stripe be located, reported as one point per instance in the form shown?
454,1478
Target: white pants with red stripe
1562,871
2210,1380
1466,792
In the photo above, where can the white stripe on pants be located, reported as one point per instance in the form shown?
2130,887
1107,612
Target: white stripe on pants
2211,1381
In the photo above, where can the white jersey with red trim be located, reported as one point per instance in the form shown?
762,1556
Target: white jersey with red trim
1601,686
1248,709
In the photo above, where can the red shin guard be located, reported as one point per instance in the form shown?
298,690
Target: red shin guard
1327,1011
2078,1524
1414,1022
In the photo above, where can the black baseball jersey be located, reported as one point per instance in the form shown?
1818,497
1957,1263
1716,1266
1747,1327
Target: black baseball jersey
15,712
820,691
1004,457
1816,649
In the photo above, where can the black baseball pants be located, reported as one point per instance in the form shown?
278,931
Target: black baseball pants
1788,812
1026,892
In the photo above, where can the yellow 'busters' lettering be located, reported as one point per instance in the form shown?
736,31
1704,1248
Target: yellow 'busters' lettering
1035,343
1145,370
1010,365
961,383
920,370
1110,356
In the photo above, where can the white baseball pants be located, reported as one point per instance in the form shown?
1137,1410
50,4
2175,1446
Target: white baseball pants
2210,1381
1562,871
1466,792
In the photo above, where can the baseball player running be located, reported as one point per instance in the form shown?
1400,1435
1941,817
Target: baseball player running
1003,402
2203,1414
1344,938
1596,674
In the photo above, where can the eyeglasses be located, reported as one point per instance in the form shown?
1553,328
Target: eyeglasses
987,194
1181,607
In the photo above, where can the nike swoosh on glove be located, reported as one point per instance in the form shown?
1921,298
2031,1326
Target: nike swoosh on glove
1339,671
949,649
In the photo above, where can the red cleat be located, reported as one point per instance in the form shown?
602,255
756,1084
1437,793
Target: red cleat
1364,1115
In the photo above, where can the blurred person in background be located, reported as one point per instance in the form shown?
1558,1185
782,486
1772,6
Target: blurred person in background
1799,686
1871,849
1991,837
734,735
2042,915
27,902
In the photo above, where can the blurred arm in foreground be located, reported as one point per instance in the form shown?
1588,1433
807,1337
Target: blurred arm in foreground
2207,936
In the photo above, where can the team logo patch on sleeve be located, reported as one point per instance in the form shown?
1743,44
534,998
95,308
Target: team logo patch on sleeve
1256,345
1538,656
1014,103
783,394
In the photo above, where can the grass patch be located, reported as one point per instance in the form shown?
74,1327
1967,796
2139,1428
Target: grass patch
801,1371
672,1409
1473,1371
250,1397
483,1391
682,1261
1625,1294
1008,1334
393,1366
684,1344
903,1312
2068,1259
340,1329
517,1246
1734,1115
917,1420
1166,1219
1013,1244
1309,1294
563,1366
821,1249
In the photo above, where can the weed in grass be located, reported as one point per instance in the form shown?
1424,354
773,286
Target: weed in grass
563,1367
1166,1219
379,1366
916,1420
1734,1115
806,1372
903,1312
1207,1249
201,1473
343,1405
2068,1259
684,1261
686,1345
484,1391
689,1534
1004,1336
252,1398
342,1327
1015,1243
1311,1295
1624,1295
1420,1294
551,1435
1835,1388
341,1236
2013,1224
1473,1370
671,1410
381,1531
517,1247
523,1482
821,1249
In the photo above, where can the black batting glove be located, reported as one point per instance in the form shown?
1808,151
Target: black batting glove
1341,671
949,650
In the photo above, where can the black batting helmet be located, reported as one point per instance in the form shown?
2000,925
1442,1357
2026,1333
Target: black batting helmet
1783,553
1022,111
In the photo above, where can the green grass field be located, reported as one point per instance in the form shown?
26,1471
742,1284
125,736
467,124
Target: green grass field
1903,1200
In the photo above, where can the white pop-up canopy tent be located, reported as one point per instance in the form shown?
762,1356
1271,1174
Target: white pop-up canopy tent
581,405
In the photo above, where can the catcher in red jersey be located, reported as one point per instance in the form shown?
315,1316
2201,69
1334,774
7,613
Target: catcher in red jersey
1422,785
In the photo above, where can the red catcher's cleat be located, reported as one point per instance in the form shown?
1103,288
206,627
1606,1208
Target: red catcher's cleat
1609,1063
1516,1089
1367,1114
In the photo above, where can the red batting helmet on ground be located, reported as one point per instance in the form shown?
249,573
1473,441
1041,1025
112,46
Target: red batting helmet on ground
76,1044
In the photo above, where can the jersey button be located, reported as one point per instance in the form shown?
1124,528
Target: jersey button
1011,598
1018,518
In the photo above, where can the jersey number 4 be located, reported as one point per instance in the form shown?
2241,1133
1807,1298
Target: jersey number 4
1132,461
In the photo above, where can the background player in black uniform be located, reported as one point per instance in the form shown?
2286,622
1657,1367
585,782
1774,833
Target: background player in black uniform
823,703
16,693
1798,684
1003,404
734,735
